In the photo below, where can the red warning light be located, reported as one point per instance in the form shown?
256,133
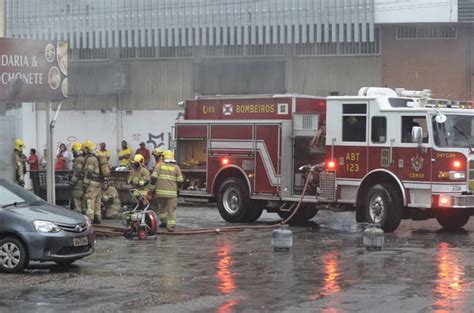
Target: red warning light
456,164
331,164
225,161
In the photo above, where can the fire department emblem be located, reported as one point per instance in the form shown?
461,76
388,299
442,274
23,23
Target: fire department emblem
227,109
417,163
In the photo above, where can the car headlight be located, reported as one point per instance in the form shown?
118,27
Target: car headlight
88,222
46,227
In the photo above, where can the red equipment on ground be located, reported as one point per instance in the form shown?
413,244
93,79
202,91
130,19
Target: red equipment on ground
141,222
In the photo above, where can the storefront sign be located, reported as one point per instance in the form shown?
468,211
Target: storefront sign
33,70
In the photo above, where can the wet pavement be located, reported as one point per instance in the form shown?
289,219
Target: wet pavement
421,269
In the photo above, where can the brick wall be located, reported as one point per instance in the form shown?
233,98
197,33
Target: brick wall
437,64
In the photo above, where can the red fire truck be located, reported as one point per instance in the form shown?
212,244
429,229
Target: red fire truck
387,154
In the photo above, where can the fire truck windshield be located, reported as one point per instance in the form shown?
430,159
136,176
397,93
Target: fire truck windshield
456,131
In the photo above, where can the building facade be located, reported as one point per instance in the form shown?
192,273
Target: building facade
145,55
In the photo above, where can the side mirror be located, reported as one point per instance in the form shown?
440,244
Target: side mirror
417,134
440,118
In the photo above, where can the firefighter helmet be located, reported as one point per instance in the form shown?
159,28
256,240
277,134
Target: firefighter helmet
158,151
168,155
88,146
19,145
138,158
76,147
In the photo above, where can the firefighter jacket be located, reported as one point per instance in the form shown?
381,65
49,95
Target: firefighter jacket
20,166
154,174
77,170
110,197
139,178
91,171
169,175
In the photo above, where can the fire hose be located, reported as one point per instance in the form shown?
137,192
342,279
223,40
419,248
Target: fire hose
102,230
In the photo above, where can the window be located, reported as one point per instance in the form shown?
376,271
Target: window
427,32
8,197
354,122
408,122
379,129
400,102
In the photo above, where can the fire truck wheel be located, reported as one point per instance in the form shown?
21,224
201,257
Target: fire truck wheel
233,200
453,220
254,211
383,206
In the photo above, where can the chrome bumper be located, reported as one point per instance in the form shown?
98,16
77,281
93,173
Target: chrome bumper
457,201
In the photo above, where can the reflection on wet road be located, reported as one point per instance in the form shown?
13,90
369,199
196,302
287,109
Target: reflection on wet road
450,283
421,269
224,274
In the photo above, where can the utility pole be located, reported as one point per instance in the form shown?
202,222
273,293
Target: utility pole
50,177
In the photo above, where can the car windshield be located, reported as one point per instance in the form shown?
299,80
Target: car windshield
456,131
10,194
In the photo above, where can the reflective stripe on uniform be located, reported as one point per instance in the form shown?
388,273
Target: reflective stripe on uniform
167,177
168,168
166,193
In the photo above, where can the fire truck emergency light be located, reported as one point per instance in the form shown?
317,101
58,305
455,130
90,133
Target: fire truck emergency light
444,201
456,164
225,161
331,164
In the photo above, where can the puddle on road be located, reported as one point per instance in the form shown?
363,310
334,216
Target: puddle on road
451,283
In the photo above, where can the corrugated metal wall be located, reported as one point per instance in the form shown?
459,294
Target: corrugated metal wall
155,84
240,76
171,23
161,84
322,75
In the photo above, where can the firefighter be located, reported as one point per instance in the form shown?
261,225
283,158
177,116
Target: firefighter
319,138
158,154
20,162
139,178
91,182
77,177
110,201
166,190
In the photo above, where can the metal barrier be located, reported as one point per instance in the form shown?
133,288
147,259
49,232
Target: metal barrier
64,191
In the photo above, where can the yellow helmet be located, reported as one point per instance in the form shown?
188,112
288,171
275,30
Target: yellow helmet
88,146
19,144
138,158
158,151
76,147
168,155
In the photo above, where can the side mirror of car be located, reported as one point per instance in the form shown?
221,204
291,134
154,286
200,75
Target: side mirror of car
417,135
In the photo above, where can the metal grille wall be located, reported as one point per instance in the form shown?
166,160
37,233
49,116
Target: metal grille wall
466,10
88,24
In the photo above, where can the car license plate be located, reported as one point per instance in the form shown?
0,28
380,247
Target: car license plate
80,241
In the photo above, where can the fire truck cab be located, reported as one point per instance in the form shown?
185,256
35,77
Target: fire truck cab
387,154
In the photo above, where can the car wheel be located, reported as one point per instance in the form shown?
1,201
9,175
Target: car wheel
383,206
233,200
13,255
65,262
304,214
452,221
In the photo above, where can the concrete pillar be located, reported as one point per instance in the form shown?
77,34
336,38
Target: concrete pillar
289,68
2,18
